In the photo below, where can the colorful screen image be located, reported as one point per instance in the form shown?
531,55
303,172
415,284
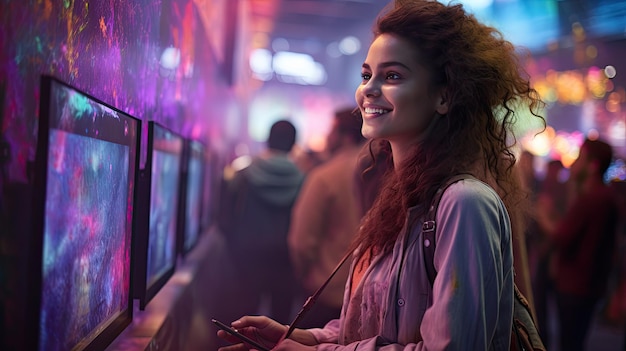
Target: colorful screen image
85,262
165,178
193,207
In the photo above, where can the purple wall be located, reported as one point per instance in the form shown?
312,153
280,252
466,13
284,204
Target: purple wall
110,49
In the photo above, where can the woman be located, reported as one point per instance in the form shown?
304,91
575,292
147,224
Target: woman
440,88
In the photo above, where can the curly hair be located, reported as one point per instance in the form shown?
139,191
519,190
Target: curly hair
484,84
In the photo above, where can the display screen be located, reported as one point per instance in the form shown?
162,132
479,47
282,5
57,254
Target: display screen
194,192
156,221
163,207
89,172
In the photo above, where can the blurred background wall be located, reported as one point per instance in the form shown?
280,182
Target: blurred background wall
223,71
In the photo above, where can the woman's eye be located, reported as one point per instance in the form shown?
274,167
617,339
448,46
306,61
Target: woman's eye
393,76
365,76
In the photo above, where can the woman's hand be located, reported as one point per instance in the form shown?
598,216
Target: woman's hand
267,332
259,328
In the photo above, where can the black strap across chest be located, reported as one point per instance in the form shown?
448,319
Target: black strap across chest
430,225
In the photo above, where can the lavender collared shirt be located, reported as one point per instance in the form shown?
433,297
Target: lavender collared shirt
470,306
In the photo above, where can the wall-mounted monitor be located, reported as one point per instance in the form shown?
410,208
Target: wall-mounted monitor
191,201
84,179
155,226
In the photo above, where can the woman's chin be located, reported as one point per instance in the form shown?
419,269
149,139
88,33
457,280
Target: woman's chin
369,132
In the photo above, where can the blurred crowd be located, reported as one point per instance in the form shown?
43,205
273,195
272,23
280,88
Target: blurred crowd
576,240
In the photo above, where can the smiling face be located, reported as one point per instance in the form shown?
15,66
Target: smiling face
396,97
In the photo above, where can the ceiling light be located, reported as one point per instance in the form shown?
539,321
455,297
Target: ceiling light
349,45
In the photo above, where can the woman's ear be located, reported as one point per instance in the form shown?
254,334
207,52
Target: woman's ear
442,102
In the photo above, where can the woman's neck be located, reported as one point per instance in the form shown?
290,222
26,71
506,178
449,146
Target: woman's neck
401,151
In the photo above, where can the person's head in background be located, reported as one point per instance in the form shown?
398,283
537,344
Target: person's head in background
345,131
554,170
282,136
441,88
593,160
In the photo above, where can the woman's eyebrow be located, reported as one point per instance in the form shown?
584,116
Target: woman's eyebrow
388,64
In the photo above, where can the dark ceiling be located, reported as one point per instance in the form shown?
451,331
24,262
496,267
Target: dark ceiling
321,20
548,20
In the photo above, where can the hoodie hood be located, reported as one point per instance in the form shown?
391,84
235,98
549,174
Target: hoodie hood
276,179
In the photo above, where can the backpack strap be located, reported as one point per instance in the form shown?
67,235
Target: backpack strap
429,226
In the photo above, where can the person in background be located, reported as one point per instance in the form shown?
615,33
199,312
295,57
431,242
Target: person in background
552,193
582,242
530,182
553,188
441,89
307,160
522,249
326,217
526,164
255,218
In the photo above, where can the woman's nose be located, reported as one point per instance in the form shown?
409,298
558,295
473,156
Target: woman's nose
372,88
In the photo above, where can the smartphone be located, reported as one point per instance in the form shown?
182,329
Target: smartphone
241,337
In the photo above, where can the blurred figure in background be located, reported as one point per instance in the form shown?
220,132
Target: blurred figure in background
553,194
613,313
530,183
552,187
522,245
255,218
326,217
526,165
306,160
583,241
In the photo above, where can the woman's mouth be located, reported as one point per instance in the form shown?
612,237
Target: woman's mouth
375,111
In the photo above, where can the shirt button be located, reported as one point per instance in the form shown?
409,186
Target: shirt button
401,302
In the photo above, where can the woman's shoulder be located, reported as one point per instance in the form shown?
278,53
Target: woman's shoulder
469,190
471,203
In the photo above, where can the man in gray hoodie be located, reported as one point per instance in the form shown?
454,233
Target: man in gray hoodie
255,218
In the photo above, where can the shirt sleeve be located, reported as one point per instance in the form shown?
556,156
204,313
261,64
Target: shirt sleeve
473,229
328,334
471,226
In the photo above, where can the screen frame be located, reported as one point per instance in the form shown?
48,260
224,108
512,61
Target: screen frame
141,223
95,340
